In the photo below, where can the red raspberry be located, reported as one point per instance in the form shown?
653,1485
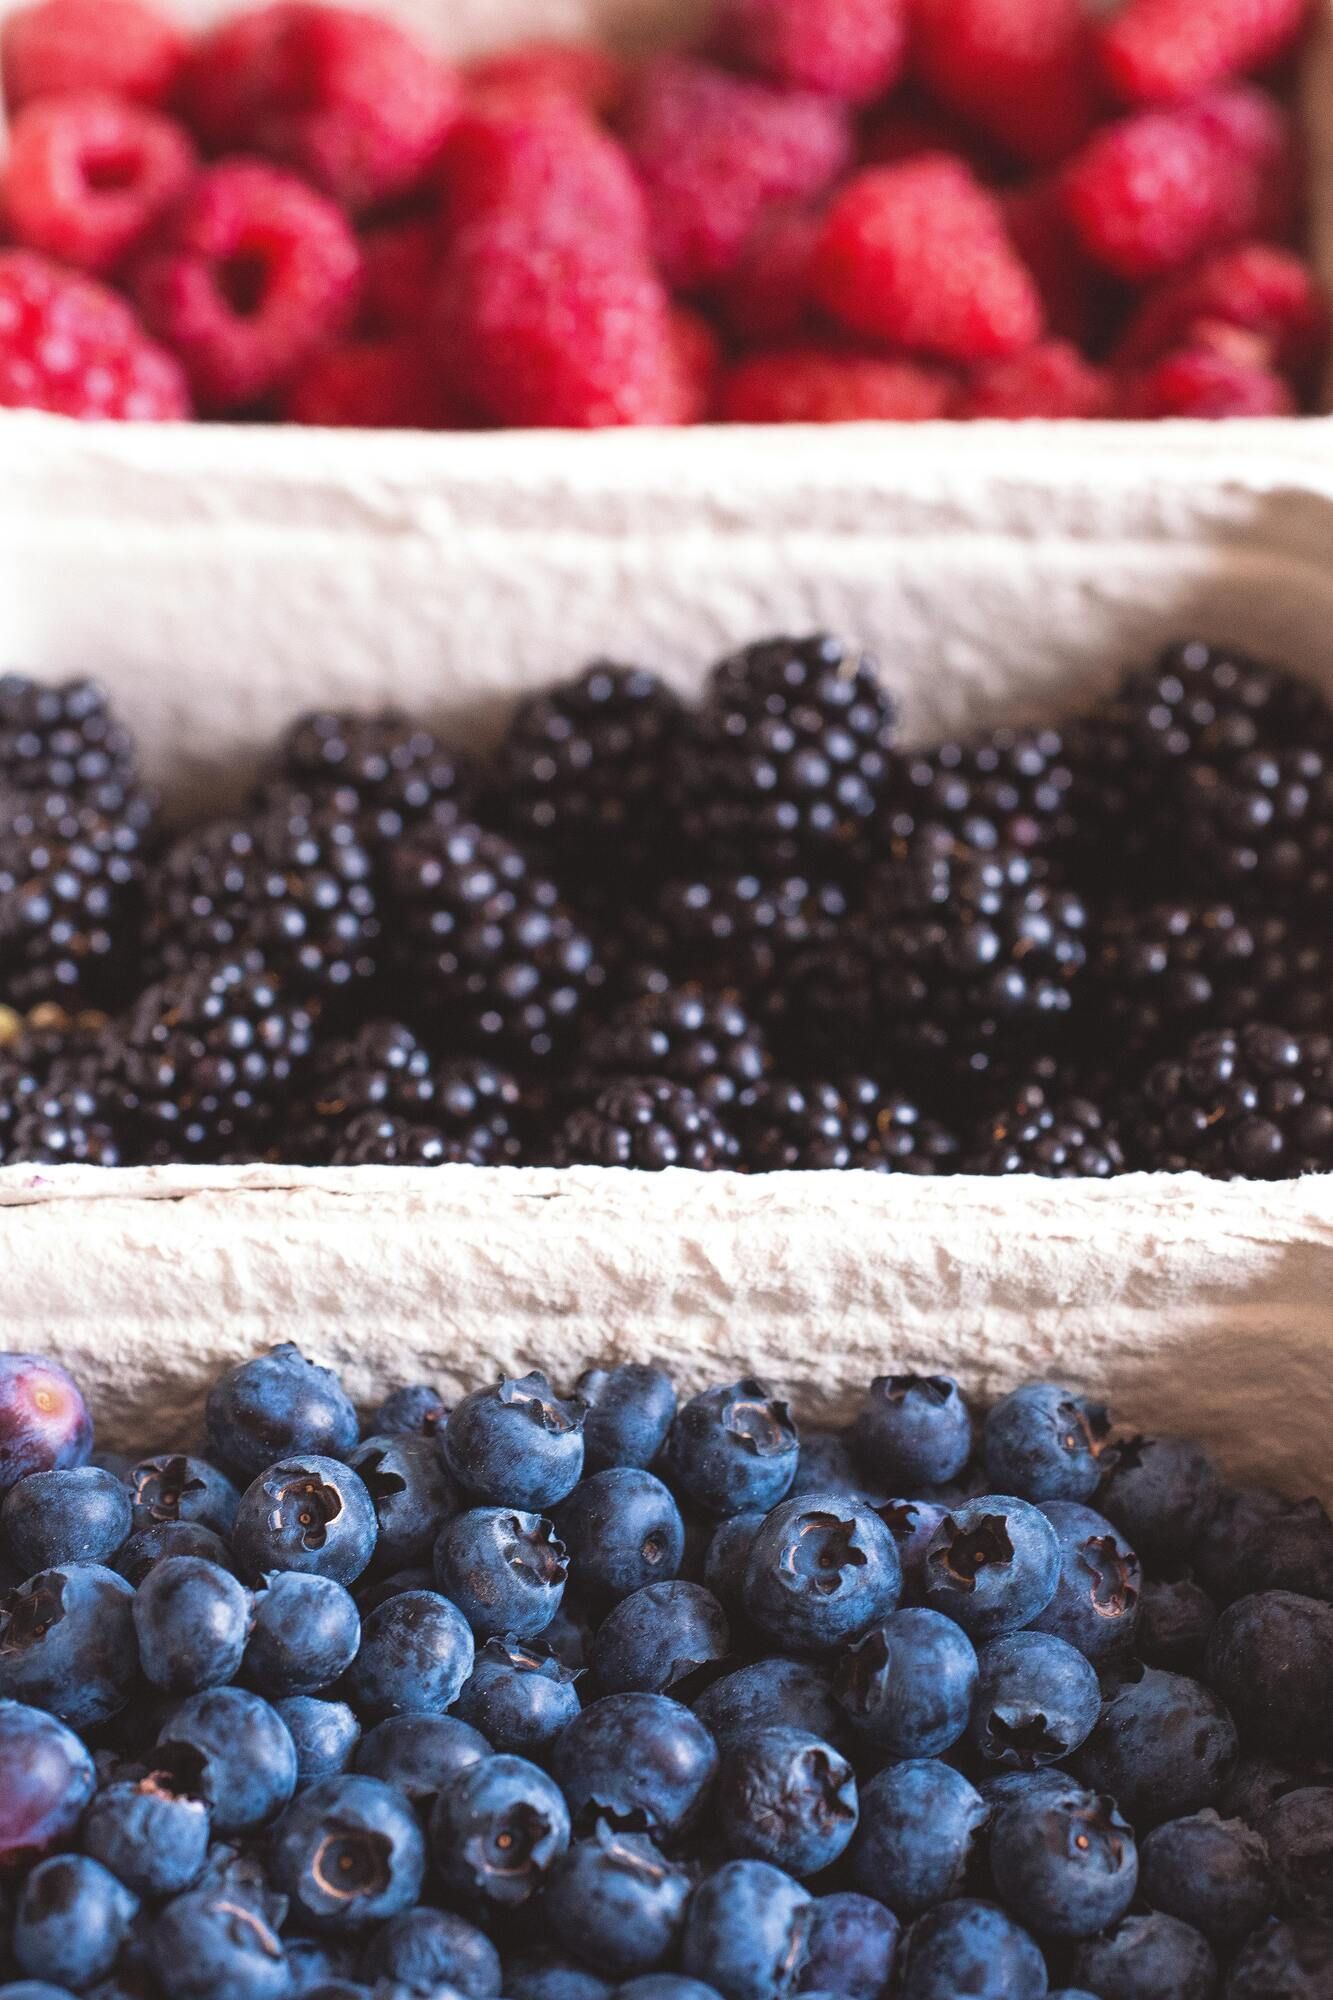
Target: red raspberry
1156,190
1073,289
1200,382
918,255
347,98
87,177
714,150
69,345
1164,51
58,47
541,161
767,296
592,76
1051,380
370,385
852,49
400,267
1022,70
697,354
1267,292
825,385
555,328
255,273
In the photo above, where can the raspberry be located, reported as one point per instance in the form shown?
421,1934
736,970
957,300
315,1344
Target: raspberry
1267,291
1200,382
256,273
1073,290
400,266
767,295
546,163
714,150
1022,70
917,254
697,355
58,47
370,385
908,125
70,346
852,49
594,78
1163,51
1051,380
1157,189
87,177
824,385
347,98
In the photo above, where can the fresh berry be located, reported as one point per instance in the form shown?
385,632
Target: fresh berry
962,1943
829,385
274,1406
305,1633
745,1930
69,346
1257,1103
426,1945
772,1693
821,1568
71,900
1007,788
637,1760
80,1515
415,1656
59,48
192,1622
420,1754
413,1495
1051,380
1147,1952
1036,1701
732,1448
851,1946
584,71
1257,288
382,1080
516,1445
688,1035
1200,381
371,385
661,1639
309,1514
1039,1131
1064,1865
70,1922
623,1531
66,739
348,1852
87,178
48,1780
1020,69
644,1122
547,166
505,1570
1044,1444
1269,1656
44,1421
67,1643
616,1900
767,295
520,1695
1165,1746
1210,1872
849,49
324,1734
913,1430
498,1833
920,1821
907,1684
1101,1592
199,1943
992,1565
785,1797
1166,51
394,772
1161,1491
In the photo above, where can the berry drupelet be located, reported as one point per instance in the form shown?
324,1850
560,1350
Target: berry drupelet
704,1040
65,739
379,1096
1042,1131
1257,1103
1010,789
388,770
71,898
645,1122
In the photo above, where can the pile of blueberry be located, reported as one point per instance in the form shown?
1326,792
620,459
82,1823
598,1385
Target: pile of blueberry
598,1697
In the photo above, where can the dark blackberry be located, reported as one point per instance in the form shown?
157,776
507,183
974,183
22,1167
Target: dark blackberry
1163,971
378,1139
60,1101
71,899
644,1122
382,1090
1009,789
487,944
1263,822
65,739
384,767
1046,1132
289,888
788,757
741,930
1256,1103
785,1126
687,1035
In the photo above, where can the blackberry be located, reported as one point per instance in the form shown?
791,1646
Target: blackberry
785,1126
740,929
65,739
386,769
1009,789
1254,1103
71,897
1045,1132
1161,971
60,1102
378,1139
687,1035
1264,822
644,1122
488,944
380,1092
789,755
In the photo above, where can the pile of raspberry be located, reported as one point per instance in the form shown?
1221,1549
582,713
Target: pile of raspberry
891,209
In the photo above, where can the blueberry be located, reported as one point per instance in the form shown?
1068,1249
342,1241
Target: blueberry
827,1465
1256,1784
1002,1788
1045,1443
746,1930
629,1414
665,1986
422,1946
615,1900
1148,1958
306,1633
517,1444
851,1946
992,1565
152,1831
504,1570
210,1945
911,1523
1176,1620
1212,1873
248,1758
1293,1550
50,1518
323,1966
1299,1833
416,1653
174,1487
1160,1493
310,1514
1218,1549
1164,1746
420,1754
623,1530
913,1431
1284,1961
1036,1700
770,1693
67,1643
170,1538
44,1421
907,1684
346,1853
1271,1659
641,1761
352,1989
728,1553
34,1989
325,1734
542,1975
369,1595
277,1406
412,1493
192,1621
519,1695
1099,1594
732,1449
659,1638
497,1831
70,1922
417,1410
971,1948
821,1568
1065,1865
785,1797
919,1824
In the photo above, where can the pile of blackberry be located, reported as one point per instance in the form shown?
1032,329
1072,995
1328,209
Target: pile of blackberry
761,932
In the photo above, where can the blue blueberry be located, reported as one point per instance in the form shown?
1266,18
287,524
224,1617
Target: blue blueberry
638,1760
44,1421
306,1633
420,1754
71,1920
733,1449
519,1695
277,1406
372,1591
1255,1786
919,1825
1270,1659
629,1414
504,1570
310,1514
663,1986
851,1946
971,1948
51,1518
728,1553
906,1686
248,1759
827,1465
416,1410
415,1656
1036,1701
992,1565
746,1932
175,1487
211,1945
325,1734
785,1797
1002,1788
1217,1550
570,1634
412,1493
912,1523
192,1622
1045,1443
615,1900
1160,1493
497,1832
34,1989
517,1444
424,1946
1212,1873
67,1643
1176,1620
317,1962
1151,1957
1285,1961
544,1975
912,1431
821,1568
771,1693
1099,1594
169,1538
152,1831
1064,1866
659,1638
1299,1832
1292,1550
1165,1746
623,1530
347,1853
